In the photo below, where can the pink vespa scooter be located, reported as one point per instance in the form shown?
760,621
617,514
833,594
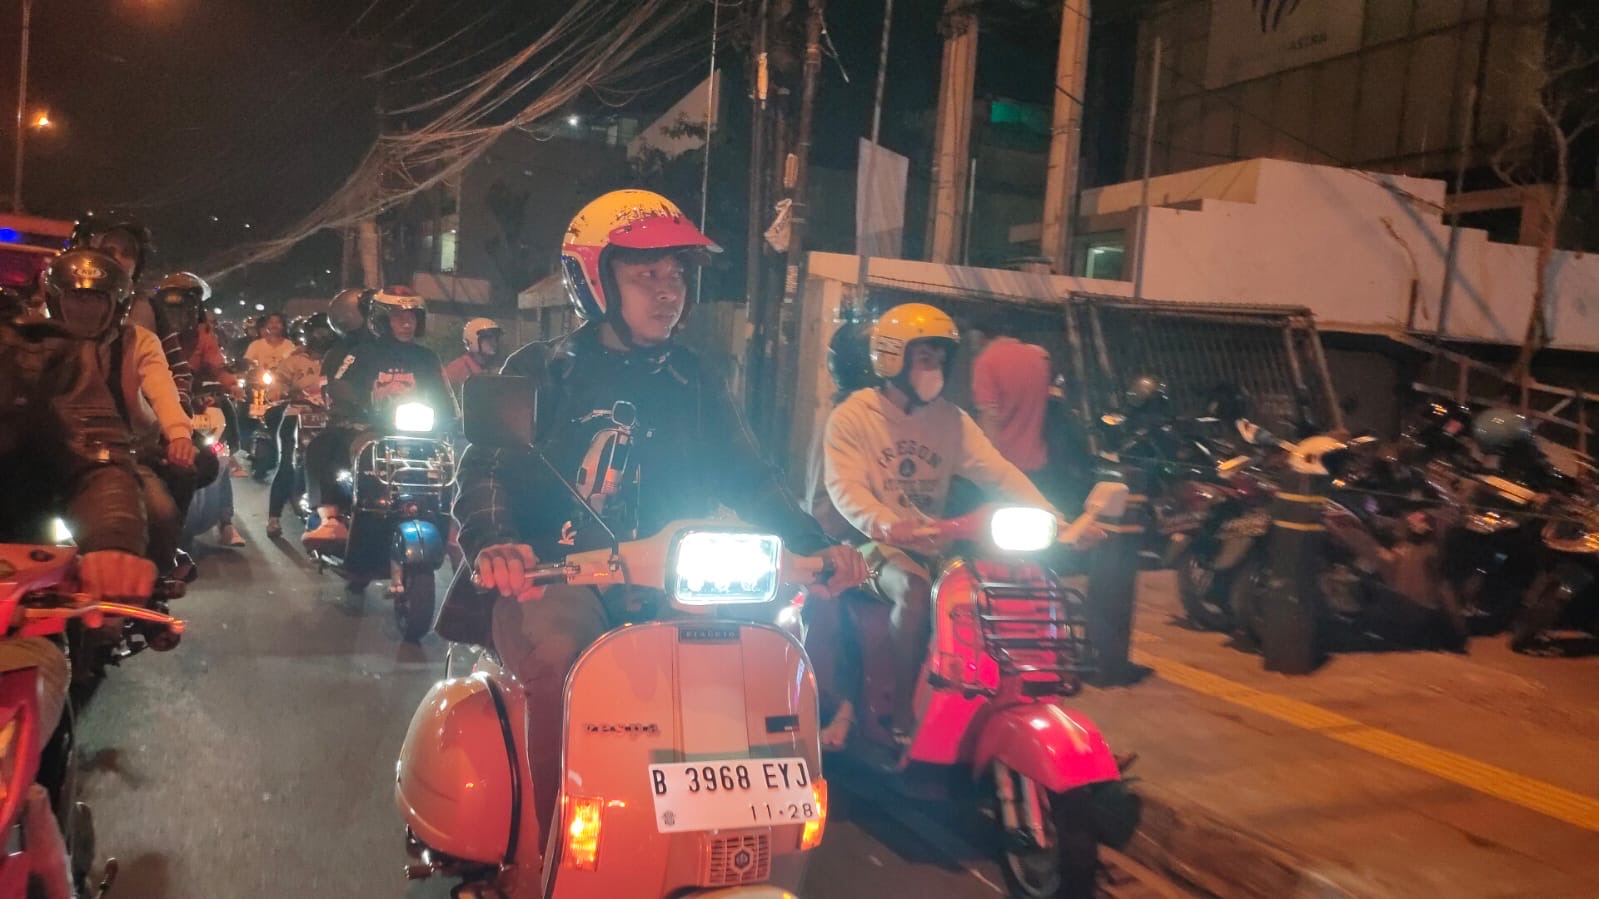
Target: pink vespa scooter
1008,645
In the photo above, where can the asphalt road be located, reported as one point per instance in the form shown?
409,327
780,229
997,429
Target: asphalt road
257,759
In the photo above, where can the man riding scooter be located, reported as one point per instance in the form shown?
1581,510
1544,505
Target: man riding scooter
87,292
890,454
363,392
646,431
65,451
483,352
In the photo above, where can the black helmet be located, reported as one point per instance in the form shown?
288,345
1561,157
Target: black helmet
849,357
348,309
316,334
389,300
179,299
1228,402
1145,393
89,271
1499,430
93,234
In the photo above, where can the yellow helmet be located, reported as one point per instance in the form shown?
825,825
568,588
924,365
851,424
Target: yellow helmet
632,219
902,325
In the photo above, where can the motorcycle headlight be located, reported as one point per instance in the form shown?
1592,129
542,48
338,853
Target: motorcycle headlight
413,418
266,378
1022,529
60,533
716,567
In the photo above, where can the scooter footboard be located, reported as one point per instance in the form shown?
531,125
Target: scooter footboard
1056,747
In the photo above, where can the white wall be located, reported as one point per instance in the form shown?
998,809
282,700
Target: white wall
1319,237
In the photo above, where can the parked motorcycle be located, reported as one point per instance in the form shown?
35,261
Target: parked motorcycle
1008,646
1380,571
403,483
37,599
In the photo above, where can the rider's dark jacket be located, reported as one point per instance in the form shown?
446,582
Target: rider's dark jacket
377,361
688,452
64,448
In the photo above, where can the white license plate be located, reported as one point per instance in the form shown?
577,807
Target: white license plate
727,795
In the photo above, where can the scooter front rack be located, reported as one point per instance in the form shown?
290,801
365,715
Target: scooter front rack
1022,622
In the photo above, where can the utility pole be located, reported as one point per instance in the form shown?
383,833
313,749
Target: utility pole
22,105
1149,155
953,148
788,314
1066,135
754,358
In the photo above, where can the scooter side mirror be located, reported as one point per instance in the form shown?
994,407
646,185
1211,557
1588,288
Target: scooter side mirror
499,411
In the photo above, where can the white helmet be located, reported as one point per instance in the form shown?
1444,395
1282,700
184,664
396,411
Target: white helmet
476,328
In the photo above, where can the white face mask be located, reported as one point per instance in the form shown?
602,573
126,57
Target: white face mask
928,383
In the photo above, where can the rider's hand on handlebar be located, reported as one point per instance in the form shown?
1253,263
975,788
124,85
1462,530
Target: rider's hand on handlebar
913,534
849,569
1092,536
504,568
116,576
180,452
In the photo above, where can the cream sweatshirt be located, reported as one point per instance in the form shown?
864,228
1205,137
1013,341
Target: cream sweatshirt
148,389
883,465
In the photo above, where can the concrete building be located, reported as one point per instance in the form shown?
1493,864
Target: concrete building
1413,87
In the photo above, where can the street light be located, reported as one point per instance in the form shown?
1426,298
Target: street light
22,104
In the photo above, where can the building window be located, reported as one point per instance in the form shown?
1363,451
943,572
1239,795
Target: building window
448,237
1103,257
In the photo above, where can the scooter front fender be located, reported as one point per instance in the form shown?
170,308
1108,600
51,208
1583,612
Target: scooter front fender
1054,746
418,542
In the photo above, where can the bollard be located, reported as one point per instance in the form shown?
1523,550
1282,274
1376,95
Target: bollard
1113,577
1289,598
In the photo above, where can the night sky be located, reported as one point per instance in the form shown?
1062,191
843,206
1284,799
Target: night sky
251,111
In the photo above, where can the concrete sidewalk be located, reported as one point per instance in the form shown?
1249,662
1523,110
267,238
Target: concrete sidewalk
1395,774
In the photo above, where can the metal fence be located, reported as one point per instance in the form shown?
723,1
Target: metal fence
1273,354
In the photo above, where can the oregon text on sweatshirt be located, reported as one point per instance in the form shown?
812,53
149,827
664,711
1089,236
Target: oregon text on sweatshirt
884,465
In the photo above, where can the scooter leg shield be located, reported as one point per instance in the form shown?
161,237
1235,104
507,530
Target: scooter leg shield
455,784
1056,747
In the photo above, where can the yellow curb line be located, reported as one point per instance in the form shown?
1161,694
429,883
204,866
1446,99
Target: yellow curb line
1544,798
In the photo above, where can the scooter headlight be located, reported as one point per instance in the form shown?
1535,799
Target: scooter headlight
414,418
1022,529
266,378
59,532
717,567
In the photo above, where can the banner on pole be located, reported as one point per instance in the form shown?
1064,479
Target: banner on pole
880,205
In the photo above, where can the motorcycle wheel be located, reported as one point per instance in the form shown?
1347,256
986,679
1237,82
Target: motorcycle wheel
1206,593
1067,865
1244,598
413,608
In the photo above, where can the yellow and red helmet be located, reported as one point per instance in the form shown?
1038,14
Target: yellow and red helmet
902,326
630,219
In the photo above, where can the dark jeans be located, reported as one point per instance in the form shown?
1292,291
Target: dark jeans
538,642
290,477
230,433
165,519
328,455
